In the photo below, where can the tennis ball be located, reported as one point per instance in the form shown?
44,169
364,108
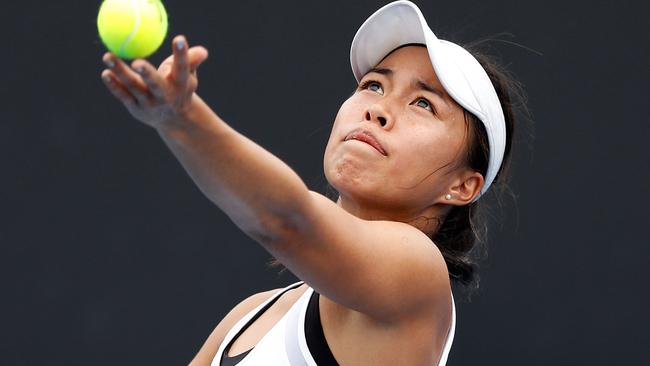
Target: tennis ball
132,28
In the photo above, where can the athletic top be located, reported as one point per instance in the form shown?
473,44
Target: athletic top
297,339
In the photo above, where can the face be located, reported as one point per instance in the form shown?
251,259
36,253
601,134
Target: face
420,135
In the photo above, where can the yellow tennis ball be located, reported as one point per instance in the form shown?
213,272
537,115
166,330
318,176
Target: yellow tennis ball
132,28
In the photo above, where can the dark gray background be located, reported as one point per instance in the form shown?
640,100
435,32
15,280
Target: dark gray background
110,255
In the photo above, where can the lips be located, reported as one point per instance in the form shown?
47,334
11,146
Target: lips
368,138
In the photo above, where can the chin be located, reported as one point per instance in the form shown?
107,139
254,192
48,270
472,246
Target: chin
353,173
351,185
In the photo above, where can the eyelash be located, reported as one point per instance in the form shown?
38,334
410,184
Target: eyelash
367,83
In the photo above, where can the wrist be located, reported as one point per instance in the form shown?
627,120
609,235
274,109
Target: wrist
196,117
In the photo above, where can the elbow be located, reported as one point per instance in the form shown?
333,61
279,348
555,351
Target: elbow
281,225
276,229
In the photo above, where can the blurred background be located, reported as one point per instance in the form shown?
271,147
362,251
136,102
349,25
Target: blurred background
109,254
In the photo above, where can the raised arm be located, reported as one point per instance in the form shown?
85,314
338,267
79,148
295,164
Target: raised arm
253,187
380,268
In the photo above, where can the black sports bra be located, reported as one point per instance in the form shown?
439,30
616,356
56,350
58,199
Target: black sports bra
313,333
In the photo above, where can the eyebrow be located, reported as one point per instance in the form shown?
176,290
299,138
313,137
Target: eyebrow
419,84
381,70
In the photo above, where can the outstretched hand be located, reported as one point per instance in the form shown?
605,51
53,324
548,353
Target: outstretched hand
156,96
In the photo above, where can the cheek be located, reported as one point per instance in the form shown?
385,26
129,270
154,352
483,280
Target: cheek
351,110
346,115
346,118
423,156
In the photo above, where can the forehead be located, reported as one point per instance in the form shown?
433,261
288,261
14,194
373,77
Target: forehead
411,62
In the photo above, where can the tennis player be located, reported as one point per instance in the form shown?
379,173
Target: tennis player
411,152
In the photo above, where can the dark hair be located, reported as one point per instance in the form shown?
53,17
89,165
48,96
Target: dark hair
461,237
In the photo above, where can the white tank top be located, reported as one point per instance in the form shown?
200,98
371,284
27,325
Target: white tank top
285,344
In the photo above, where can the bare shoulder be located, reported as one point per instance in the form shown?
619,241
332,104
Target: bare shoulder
211,345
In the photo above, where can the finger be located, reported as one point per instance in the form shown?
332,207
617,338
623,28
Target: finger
129,78
154,81
180,69
117,89
197,55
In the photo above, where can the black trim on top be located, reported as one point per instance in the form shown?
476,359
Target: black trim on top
234,360
316,341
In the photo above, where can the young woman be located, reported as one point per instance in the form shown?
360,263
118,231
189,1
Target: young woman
410,153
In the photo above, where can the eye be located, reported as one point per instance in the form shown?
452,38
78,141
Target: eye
422,102
372,86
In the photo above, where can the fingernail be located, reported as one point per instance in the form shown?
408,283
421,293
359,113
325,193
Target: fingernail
106,78
139,70
109,63
180,44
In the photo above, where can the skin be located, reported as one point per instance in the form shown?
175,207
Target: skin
424,133
372,241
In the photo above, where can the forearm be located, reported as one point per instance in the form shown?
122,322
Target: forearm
258,191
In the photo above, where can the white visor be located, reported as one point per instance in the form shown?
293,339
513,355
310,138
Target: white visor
464,79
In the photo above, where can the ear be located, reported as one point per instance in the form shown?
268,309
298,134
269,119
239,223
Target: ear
465,189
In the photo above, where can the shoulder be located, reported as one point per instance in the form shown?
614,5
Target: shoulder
422,285
398,268
212,343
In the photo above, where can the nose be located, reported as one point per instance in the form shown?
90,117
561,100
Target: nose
377,113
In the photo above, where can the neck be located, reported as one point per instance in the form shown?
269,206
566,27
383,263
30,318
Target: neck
427,219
